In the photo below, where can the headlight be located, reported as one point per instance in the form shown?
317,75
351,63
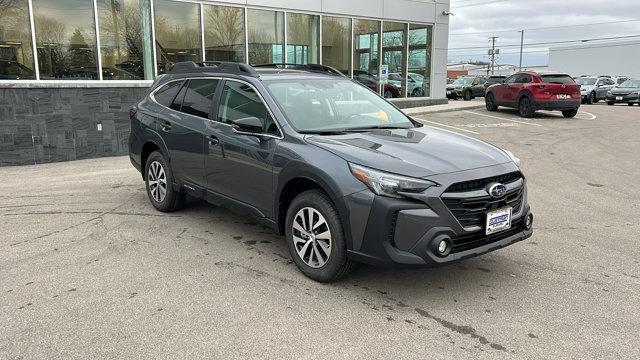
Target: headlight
514,158
386,184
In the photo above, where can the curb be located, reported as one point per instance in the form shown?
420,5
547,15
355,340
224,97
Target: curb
424,112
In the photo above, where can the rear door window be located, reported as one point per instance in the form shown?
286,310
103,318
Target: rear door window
167,93
177,102
198,98
239,101
557,79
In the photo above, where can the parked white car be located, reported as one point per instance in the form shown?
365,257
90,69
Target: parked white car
415,86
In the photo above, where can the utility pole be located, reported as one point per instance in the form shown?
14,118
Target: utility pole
521,46
493,53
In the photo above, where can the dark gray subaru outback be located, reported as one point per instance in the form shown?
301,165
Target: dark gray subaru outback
342,173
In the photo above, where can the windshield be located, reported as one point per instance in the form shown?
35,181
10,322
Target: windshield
493,80
586,81
634,84
463,81
322,105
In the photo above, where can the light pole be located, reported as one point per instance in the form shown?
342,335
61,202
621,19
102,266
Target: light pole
521,46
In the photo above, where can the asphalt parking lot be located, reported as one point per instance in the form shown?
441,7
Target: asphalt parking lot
88,269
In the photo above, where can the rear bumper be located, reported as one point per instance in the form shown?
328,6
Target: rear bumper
572,104
406,232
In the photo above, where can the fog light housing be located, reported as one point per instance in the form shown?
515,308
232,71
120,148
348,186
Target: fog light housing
528,222
441,245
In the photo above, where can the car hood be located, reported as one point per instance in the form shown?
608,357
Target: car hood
418,152
623,91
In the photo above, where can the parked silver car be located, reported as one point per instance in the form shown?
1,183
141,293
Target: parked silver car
594,89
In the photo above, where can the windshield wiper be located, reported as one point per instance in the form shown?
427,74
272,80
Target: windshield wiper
375,127
322,132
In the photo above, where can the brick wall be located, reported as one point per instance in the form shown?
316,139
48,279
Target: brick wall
41,125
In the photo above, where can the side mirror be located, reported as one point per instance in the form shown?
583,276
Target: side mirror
249,126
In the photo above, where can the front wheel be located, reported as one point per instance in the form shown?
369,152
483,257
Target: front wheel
569,113
315,237
490,102
525,108
630,104
467,95
593,98
388,94
610,103
159,180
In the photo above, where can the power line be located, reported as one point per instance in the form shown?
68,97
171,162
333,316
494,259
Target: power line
545,28
551,42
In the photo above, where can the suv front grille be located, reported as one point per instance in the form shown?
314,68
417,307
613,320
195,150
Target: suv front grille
471,210
478,239
480,184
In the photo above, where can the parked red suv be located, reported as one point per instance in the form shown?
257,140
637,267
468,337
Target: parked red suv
530,91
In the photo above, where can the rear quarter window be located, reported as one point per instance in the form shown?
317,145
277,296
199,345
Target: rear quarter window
165,95
557,79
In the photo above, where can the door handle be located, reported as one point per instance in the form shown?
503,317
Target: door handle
213,141
166,126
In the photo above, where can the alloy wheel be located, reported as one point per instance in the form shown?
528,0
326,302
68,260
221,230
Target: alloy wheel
157,181
311,237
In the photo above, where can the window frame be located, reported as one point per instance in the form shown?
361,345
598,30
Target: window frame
264,102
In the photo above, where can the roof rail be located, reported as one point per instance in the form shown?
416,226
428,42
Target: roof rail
227,67
304,67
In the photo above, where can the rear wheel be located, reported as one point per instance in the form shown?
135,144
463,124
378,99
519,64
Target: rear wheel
159,180
593,98
610,103
315,237
569,113
489,102
388,94
467,95
525,108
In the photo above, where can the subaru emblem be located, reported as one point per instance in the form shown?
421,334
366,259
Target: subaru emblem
497,190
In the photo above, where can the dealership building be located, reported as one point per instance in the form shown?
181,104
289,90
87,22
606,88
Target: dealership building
71,69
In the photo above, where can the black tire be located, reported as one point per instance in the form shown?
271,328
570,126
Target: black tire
467,95
593,99
611,103
489,101
388,94
569,113
172,199
337,263
417,92
525,108
630,104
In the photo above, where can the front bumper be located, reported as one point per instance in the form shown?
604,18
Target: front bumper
404,231
453,93
623,99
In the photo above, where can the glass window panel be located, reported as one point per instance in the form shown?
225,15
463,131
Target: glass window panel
224,33
16,54
199,97
366,35
240,101
336,49
420,58
177,101
178,37
125,39
393,54
266,36
65,39
167,93
302,37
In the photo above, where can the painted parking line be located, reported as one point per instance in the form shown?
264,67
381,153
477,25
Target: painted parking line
501,118
449,126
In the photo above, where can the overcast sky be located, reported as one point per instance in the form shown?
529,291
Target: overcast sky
476,20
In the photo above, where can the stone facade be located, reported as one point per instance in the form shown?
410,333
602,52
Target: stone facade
42,125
